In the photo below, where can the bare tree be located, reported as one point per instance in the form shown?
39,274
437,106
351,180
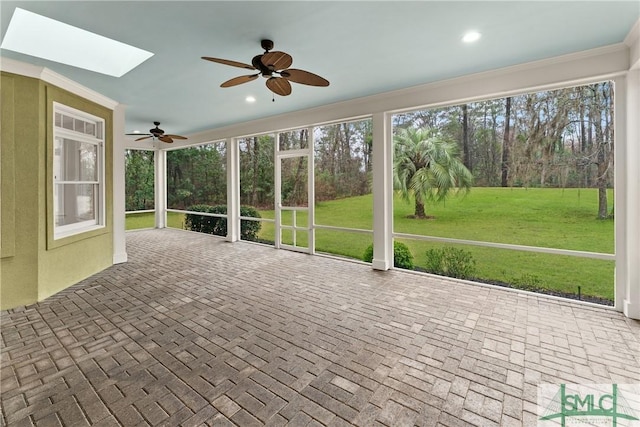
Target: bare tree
504,165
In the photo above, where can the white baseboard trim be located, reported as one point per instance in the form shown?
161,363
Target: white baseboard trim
379,264
120,258
632,311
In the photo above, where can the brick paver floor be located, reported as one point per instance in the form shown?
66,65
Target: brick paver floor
196,331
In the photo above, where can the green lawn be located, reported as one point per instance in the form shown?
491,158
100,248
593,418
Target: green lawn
147,220
555,218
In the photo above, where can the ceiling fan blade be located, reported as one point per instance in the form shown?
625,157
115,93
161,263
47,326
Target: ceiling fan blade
304,77
144,137
165,138
176,136
239,80
229,62
277,60
137,134
279,86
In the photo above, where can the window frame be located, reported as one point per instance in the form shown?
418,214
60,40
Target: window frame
98,221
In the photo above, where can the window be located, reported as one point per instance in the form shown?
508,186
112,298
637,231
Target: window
197,182
197,176
78,172
257,186
539,213
343,198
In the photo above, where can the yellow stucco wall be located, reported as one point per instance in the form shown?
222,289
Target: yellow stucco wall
36,266
22,133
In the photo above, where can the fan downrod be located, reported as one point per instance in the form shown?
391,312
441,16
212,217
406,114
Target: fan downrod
156,131
267,45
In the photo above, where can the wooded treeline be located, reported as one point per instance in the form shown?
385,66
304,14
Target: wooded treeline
257,172
197,176
560,138
342,156
343,160
139,180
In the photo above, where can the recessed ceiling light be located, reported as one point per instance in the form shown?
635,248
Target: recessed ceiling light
46,38
250,99
471,37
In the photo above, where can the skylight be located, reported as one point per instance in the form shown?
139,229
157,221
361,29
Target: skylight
46,38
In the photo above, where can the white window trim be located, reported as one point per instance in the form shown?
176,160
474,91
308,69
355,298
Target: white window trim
63,231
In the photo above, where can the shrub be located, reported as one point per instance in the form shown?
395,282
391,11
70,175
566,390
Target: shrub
368,254
215,225
451,262
402,256
527,282
206,224
249,229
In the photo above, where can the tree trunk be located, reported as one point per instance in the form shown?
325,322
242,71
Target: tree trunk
505,144
601,158
299,194
419,211
254,189
492,149
465,137
602,202
601,182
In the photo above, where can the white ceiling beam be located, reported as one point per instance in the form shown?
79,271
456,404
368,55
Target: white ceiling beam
572,69
633,42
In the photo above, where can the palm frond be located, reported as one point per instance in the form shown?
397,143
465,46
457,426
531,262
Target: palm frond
428,166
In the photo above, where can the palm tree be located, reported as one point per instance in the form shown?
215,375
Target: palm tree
427,167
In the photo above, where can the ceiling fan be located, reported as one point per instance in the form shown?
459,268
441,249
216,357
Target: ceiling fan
157,133
274,66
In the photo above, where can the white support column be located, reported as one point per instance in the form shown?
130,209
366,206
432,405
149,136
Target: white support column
160,167
311,194
233,190
118,191
382,192
277,200
620,195
631,304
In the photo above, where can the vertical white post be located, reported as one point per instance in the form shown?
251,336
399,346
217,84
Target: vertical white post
160,168
278,191
382,192
620,194
233,190
311,192
118,191
631,304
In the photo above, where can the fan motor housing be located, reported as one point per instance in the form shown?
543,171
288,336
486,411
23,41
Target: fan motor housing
258,65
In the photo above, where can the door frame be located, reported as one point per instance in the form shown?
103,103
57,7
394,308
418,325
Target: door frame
310,209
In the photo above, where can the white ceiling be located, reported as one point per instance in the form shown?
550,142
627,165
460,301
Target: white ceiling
361,47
